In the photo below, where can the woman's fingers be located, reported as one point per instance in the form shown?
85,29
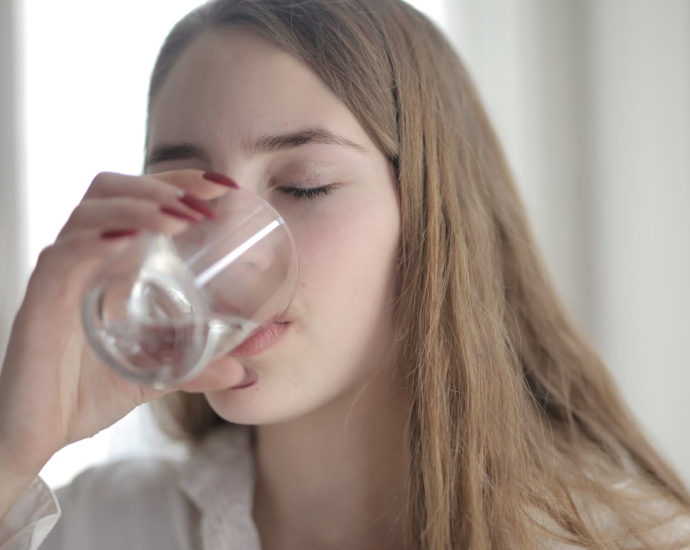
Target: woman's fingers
204,185
63,267
116,202
158,187
53,388
127,213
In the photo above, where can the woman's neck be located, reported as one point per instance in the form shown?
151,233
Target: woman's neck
336,478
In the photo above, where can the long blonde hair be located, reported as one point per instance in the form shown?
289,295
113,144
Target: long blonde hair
518,433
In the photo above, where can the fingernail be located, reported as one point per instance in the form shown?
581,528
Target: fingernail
119,233
198,205
177,214
221,179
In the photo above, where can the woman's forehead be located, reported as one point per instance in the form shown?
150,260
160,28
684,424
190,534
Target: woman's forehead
230,87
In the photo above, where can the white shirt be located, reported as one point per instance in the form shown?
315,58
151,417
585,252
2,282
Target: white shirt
203,503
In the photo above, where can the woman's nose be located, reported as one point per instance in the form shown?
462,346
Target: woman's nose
259,251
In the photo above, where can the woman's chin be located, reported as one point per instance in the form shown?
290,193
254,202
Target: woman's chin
255,404
243,403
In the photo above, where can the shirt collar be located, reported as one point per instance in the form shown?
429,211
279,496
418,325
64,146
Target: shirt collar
219,479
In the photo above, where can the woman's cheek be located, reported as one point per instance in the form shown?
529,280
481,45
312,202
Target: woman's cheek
324,229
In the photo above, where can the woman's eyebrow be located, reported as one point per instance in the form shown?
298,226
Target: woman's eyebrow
177,151
307,136
260,146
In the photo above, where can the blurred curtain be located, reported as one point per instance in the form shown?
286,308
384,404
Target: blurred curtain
591,99
13,251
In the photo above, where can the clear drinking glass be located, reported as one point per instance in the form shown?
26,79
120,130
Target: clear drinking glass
160,311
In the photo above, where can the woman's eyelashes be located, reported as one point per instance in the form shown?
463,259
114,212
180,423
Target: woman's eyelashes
308,192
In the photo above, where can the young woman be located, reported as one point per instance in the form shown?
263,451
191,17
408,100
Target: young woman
425,389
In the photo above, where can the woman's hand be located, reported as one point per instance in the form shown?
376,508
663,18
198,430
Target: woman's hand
53,388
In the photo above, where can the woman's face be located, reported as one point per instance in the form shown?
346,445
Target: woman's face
228,90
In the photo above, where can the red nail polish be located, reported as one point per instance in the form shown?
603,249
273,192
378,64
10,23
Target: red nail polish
177,214
221,179
199,206
118,233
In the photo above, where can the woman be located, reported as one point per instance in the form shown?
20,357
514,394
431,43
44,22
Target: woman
425,389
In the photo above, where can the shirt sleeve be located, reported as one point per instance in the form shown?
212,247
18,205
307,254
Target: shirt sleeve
31,518
131,503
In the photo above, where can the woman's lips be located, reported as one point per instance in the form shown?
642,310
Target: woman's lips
250,378
260,340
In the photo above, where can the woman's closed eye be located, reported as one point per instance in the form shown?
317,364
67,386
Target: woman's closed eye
308,192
